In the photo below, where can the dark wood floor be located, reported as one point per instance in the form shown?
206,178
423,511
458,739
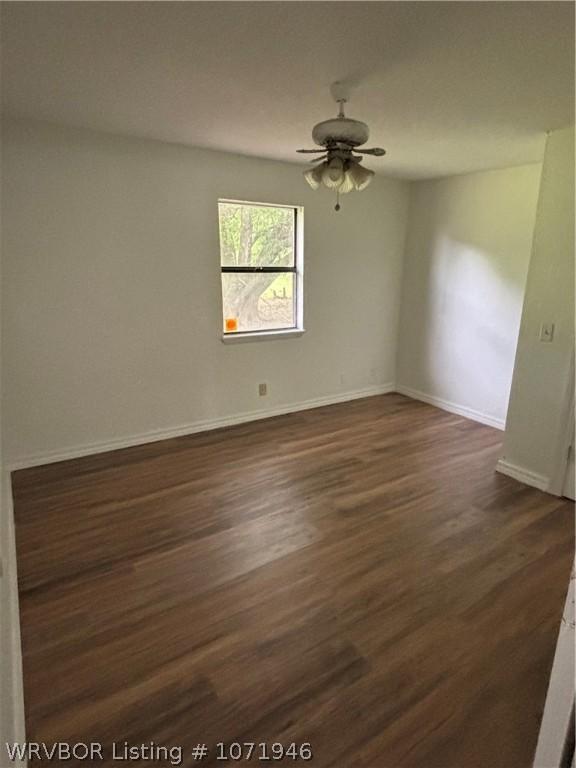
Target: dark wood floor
355,576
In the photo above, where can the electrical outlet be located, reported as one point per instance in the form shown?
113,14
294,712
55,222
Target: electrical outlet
547,332
262,389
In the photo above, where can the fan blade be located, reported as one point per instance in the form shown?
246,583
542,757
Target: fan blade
310,150
317,159
378,151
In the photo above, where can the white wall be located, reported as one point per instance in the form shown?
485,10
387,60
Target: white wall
537,417
467,253
112,289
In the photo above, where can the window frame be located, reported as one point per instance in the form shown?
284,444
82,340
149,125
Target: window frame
297,269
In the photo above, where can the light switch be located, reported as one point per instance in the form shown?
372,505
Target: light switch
546,331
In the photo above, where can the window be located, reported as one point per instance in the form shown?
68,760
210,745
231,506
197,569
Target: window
261,262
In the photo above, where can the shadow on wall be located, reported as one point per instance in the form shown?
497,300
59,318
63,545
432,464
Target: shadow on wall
467,258
475,306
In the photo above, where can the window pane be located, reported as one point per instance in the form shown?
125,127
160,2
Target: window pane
256,236
255,302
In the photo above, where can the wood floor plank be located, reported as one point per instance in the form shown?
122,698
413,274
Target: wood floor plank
355,576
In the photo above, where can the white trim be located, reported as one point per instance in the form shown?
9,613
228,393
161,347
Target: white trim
257,204
559,707
287,333
197,426
447,405
12,701
523,475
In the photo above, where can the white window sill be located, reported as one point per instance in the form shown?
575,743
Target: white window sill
238,338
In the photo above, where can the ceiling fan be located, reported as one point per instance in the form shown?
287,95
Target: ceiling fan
340,138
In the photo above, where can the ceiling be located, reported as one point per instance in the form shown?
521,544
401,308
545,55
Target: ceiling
447,87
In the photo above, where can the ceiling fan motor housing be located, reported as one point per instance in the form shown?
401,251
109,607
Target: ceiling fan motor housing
340,129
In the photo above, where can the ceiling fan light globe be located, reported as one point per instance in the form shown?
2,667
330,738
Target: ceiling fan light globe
361,176
311,177
330,181
333,173
335,168
347,184
366,181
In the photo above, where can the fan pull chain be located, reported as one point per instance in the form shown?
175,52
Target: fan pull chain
337,206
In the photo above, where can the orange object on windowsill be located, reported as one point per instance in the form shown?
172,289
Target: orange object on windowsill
231,324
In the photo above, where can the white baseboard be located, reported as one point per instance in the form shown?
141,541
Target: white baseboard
446,405
523,475
198,426
12,727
